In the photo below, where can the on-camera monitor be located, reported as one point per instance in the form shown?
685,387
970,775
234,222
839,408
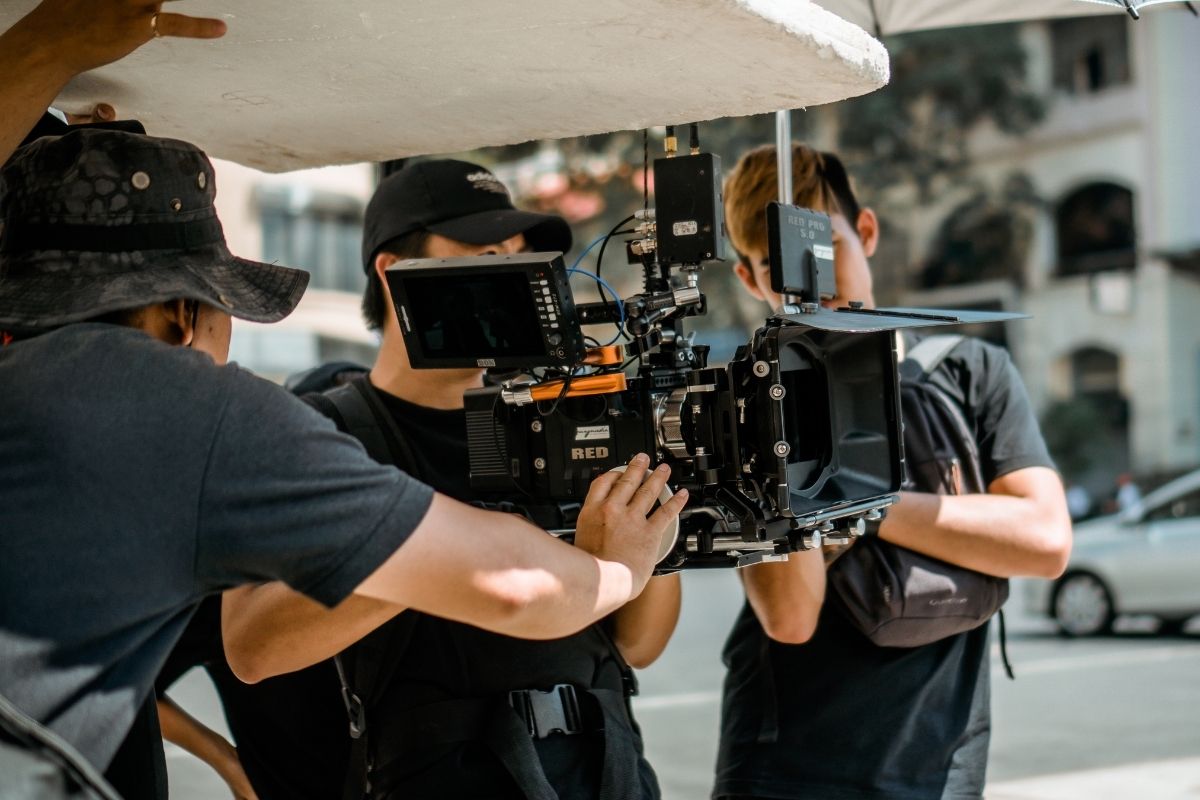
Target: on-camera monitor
474,316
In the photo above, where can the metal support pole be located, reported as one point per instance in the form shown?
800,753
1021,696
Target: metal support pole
783,155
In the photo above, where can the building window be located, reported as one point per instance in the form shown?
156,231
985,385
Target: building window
1090,53
1096,230
317,231
978,241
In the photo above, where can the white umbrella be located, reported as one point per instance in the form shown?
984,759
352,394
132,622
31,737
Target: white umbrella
886,17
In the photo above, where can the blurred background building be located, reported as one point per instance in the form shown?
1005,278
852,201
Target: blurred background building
1059,180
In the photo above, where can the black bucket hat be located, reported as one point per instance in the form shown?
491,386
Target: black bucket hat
458,200
101,220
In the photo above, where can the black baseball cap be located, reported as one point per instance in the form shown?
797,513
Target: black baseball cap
458,200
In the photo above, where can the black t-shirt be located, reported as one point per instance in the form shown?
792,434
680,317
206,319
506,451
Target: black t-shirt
839,718
136,479
444,660
290,730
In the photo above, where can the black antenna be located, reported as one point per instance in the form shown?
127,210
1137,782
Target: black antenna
645,170
1132,9
694,139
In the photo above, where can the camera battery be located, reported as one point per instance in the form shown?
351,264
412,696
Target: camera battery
689,209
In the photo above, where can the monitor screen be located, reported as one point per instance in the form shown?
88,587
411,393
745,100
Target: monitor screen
474,316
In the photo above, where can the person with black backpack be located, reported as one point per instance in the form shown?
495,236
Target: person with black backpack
869,679
437,708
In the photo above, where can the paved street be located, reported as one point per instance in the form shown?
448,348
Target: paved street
1111,718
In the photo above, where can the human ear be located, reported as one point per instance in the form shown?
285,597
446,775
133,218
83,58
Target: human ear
746,275
176,321
868,231
382,262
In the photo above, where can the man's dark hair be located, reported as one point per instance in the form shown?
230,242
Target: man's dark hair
374,302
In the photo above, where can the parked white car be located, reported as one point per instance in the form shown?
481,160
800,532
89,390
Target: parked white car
1145,560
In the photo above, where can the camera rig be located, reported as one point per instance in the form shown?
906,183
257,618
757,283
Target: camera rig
797,440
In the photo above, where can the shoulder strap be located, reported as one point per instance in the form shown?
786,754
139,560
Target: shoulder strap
359,421
366,418
918,367
400,450
931,351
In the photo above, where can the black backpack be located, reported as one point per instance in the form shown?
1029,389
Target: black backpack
365,669
35,764
895,596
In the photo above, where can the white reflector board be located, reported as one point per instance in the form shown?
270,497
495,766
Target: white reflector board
303,83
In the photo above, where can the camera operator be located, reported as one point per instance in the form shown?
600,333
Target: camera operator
449,707
139,474
813,708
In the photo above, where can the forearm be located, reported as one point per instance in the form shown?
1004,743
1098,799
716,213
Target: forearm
999,534
182,729
498,572
787,596
271,629
643,626
35,77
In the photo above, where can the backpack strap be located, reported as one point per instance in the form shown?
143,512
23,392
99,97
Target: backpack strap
364,417
928,354
359,421
920,363
931,351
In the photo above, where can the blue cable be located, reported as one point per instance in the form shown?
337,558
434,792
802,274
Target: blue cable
574,270
587,250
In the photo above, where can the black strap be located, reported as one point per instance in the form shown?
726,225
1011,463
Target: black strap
1008,670
629,683
929,353
507,734
618,775
508,739
402,454
359,421
364,417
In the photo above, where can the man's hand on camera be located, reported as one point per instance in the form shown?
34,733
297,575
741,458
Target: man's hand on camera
85,34
612,523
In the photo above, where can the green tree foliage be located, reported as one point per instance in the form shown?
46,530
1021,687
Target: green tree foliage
915,130
944,83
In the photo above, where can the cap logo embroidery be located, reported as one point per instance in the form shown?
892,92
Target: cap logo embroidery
486,182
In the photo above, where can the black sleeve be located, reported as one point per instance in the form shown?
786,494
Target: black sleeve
325,407
287,497
1006,427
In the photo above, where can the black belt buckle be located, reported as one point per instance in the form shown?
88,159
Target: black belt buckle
555,710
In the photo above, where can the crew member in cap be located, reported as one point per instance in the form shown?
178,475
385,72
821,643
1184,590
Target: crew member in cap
138,473
451,710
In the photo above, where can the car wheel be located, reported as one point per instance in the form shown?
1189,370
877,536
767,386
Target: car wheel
1083,605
